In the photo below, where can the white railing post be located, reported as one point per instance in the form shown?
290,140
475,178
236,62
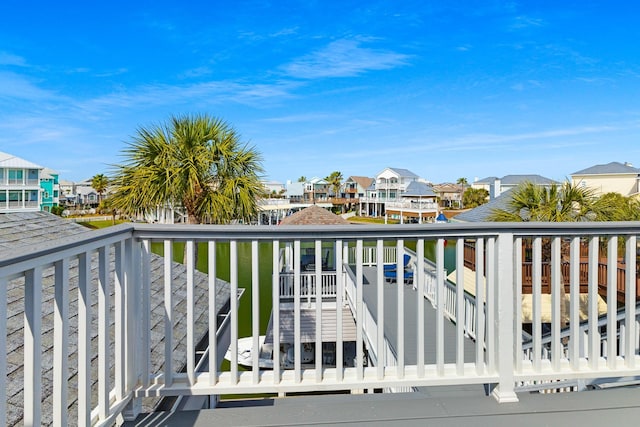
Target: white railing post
504,392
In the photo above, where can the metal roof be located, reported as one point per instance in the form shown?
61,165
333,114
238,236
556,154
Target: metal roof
10,161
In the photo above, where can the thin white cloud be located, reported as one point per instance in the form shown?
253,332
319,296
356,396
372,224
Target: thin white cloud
522,21
343,58
211,92
7,58
15,86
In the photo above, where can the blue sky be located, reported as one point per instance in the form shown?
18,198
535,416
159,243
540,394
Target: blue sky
444,89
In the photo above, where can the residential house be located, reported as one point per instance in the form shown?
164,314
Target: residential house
274,189
496,186
316,190
19,184
399,194
612,177
50,186
450,194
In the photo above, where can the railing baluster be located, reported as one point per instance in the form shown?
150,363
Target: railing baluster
517,306
490,303
104,293
33,346
341,258
460,312
594,335
318,296
480,286
255,312
380,308
297,355
84,339
440,306
233,282
275,311
212,294
191,342
168,313
61,340
574,317
119,303
612,300
400,306
536,302
419,278
631,333
557,291
359,312
146,312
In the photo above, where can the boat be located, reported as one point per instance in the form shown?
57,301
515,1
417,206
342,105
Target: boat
245,353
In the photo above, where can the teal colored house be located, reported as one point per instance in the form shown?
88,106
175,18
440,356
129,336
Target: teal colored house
50,188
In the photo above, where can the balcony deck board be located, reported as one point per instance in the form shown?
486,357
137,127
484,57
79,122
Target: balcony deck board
410,326
443,406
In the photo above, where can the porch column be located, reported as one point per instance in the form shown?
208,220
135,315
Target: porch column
504,326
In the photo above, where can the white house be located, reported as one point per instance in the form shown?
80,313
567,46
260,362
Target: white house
19,184
496,186
399,194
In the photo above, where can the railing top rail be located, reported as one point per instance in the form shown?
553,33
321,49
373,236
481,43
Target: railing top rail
77,243
376,231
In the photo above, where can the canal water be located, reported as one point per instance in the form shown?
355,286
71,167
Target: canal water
265,269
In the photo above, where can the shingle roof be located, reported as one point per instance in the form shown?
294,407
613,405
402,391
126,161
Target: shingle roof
517,179
19,230
313,215
418,189
482,212
404,172
609,168
362,181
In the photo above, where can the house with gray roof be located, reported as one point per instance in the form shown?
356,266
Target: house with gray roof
400,194
613,177
19,184
496,186
23,230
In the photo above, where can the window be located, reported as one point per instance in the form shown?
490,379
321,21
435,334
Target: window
15,176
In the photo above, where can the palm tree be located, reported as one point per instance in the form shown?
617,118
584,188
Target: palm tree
99,183
531,202
302,179
196,162
335,181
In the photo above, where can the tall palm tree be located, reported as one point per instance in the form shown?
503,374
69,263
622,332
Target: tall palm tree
335,181
531,202
196,162
100,183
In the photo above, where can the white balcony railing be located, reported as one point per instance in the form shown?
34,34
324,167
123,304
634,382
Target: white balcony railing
107,370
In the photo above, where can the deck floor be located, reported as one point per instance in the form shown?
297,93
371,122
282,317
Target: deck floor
410,313
443,406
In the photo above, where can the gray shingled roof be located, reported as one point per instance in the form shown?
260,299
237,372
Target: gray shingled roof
404,172
518,179
419,189
33,228
482,212
609,168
